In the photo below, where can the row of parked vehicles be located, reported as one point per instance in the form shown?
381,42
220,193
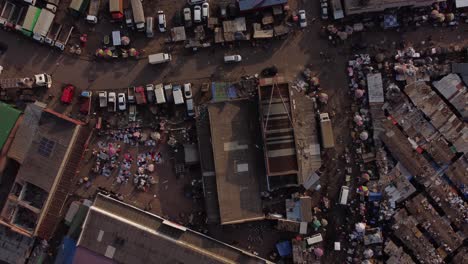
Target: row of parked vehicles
159,94
36,22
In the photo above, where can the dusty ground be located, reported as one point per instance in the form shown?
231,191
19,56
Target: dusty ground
302,48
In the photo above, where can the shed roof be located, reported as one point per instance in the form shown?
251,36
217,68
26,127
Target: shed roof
247,5
8,117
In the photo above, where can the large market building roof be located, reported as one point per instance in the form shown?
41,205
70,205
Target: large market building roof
126,234
237,159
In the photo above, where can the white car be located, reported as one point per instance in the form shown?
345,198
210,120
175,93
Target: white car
121,102
232,58
197,14
188,90
302,19
205,11
324,10
161,21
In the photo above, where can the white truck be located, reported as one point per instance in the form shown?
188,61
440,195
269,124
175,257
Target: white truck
39,80
43,25
159,58
63,37
138,15
326,130
102,99
93,11
53,33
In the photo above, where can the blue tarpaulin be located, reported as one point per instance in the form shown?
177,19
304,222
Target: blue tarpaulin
375,196
284,248
390,21
66,251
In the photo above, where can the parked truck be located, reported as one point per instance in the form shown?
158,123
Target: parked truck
18,14
78,7
131,95
102,99
30,20
53,33
140,95
138,15
43,25
7,12
326,130
116,9
159,58
39,80
63,37
93,11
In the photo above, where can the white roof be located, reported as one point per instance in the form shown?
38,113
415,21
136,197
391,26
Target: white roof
461,3
116,40
375,87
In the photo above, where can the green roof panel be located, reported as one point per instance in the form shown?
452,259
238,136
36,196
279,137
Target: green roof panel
8,117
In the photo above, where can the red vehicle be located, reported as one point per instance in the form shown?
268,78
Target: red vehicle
67,94
140,95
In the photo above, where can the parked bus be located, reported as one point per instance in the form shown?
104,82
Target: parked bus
30,20
138,15
43,25
116,9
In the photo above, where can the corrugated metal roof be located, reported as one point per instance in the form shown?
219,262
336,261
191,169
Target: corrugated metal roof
55,206
130,235
8,117
26,132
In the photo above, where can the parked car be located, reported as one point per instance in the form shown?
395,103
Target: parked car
223,11
188,90
324,10
187,17
232,58
205,11
161,21
197,14
195,2
129,18
302,19
190,110
67,94
121,101
150,93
